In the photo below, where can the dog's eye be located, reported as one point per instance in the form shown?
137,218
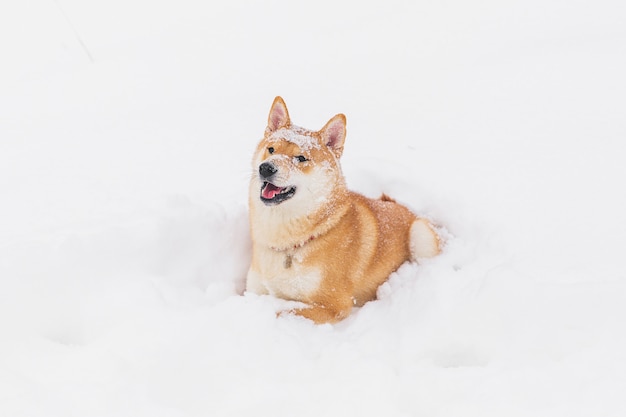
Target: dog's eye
301,158
270,150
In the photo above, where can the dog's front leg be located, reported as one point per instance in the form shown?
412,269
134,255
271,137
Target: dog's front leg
254,283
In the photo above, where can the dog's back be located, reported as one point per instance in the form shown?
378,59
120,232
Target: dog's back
381,230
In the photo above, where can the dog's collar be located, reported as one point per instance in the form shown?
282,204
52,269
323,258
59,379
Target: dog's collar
294,247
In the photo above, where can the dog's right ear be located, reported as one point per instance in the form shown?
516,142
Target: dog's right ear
279,116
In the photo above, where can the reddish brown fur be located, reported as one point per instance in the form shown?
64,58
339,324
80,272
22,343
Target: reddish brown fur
357,255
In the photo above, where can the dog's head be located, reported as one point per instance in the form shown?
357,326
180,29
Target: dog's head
296,167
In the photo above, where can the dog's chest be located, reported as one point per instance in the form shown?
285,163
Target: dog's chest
286,274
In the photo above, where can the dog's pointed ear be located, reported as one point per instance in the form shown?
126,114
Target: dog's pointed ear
279,116
334,134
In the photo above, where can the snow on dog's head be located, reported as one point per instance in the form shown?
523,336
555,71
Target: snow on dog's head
294,168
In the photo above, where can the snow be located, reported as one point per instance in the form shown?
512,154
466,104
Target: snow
123,224
297,136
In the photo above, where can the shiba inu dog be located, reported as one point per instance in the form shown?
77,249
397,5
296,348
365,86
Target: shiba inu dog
314,241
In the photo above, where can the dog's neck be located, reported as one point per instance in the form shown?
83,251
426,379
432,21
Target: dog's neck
281,233
294,247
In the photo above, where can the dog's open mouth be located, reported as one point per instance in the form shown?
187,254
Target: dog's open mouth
271,194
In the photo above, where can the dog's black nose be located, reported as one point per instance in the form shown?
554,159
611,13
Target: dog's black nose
266,170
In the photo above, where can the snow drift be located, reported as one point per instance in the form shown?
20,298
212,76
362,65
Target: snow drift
124,240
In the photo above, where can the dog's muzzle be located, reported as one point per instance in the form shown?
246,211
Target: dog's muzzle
271,194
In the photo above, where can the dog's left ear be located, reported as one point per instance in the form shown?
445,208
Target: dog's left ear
334,134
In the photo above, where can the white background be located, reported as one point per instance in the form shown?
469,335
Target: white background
126,133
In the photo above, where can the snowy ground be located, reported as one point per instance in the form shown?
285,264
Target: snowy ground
126,130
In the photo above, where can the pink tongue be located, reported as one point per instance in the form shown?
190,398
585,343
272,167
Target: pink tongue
270,191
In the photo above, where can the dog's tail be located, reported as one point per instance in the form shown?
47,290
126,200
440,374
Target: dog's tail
385,197
424,240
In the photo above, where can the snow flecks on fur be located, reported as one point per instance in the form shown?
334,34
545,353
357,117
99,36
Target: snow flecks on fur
327,166
297,135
